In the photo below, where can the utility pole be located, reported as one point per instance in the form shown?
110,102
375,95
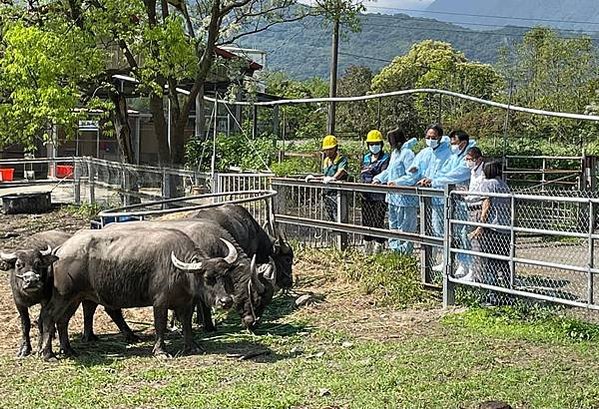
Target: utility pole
333,76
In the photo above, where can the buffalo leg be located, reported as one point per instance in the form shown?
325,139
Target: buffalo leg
160,321
63,331
25,347
40,329
205,316
185,314
89,309
119,320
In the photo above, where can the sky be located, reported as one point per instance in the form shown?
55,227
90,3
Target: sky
378,6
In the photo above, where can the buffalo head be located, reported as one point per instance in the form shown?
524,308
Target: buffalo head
217,285
282,256
30,268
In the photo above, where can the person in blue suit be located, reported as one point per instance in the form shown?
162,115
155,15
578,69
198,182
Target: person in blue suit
402,208
426,167
456,172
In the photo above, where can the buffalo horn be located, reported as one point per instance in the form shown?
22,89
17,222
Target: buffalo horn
8,256
46,252
255,277
232,256
184,266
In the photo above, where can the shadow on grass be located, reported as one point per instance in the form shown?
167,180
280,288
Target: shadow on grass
112,346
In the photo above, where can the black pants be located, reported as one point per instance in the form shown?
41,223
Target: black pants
373,215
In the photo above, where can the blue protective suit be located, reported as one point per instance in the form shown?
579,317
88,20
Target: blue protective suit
454,171
400,162
402,208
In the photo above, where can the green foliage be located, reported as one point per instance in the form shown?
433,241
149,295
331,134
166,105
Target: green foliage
555,74
296,167
356,118
84,210
392,278
432,64
306,120
542,323
231,151
41,68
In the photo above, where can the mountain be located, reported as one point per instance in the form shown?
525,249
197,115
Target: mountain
580,15
302,49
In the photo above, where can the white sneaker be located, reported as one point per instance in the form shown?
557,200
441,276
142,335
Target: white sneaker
368,247
438,267
469,276
460,272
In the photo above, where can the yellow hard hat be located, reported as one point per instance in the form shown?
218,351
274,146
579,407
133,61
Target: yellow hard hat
329,142
374,136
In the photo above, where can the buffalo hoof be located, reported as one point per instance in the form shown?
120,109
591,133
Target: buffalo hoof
49,357
68,352
131,338
162,355
193,350
24,351
89,338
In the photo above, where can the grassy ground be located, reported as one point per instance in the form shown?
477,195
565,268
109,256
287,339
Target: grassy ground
356,346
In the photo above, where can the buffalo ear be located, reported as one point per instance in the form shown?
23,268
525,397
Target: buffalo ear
49,259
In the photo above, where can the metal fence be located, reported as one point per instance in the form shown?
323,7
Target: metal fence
342,214
540,247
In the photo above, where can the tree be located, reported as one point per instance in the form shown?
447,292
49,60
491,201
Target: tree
432,64
305,120
551,73
356,117
164,45
41,69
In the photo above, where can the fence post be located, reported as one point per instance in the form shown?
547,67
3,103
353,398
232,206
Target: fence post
512,241
91,171
77,181
126,187
591,243
448,286
425,250
342,217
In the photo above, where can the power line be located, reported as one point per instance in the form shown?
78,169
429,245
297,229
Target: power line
486,16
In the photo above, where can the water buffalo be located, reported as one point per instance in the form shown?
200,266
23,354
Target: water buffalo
253,239
31,278
253,291
137,267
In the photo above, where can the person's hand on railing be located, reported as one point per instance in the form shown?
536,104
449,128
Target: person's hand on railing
310,178
424,182
392,184
328,179
376,182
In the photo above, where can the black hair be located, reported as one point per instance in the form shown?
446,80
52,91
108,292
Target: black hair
396,138
437,129
475,152
461,135
492,169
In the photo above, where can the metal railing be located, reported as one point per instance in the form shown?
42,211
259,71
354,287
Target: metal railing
339,214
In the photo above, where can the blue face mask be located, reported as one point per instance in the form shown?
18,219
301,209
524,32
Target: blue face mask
375,149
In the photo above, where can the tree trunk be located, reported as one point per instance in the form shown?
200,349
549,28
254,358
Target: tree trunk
120,119
157,110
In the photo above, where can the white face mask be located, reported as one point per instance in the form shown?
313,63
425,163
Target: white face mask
432,143
375,149
456,149
471,164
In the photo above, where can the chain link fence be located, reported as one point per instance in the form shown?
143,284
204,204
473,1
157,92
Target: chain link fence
540,247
